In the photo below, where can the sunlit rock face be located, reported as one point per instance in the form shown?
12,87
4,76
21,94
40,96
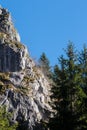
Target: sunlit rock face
23,88
6,25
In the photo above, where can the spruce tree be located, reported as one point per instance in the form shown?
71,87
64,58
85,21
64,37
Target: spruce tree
45,65
69,96
83,83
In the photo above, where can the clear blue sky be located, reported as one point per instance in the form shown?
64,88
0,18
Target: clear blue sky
48,25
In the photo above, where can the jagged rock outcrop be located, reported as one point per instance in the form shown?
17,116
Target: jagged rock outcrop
23,87
6,25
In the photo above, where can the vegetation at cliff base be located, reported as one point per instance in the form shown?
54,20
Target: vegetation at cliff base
5,120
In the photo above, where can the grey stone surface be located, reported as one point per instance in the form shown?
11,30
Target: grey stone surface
26,91
6,25
11,60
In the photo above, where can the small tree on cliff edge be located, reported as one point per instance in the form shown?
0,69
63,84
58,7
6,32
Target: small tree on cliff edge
45,65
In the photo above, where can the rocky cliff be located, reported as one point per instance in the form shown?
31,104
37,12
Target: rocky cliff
24,89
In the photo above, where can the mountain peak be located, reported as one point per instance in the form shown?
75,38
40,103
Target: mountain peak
6,25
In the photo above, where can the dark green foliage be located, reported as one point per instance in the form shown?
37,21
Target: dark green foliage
4,120
5,123
23,125
70,91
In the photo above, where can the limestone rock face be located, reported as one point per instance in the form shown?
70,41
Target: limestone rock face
6,25
23,88
12,59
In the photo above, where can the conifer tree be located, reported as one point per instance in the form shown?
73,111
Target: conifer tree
45,65
83,67
83,84
69,96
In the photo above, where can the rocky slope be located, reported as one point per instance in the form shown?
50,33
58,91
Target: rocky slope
23,87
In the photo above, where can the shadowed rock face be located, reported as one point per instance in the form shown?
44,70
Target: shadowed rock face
23,88
11,60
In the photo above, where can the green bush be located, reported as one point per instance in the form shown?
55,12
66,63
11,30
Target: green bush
4,120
